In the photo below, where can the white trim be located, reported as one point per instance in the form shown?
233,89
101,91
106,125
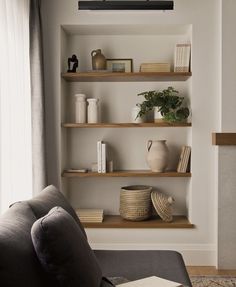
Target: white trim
193,254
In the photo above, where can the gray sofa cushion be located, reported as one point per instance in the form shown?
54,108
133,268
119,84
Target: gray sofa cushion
19,265
64,251
49,198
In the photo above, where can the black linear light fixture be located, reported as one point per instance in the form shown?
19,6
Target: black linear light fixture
126,5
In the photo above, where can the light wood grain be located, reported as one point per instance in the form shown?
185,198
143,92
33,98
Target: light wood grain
209,270
115,221
126,173
125,77
224,138
126,125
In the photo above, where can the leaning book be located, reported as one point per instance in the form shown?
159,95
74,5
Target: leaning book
152,281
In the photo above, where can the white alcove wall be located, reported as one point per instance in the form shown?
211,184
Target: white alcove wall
127,147
197,245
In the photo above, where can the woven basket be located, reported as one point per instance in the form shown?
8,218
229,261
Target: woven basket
135,202
163,205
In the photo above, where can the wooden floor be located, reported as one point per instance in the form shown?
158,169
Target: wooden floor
209,270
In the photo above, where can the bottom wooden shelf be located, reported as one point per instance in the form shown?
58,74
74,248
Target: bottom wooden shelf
115,221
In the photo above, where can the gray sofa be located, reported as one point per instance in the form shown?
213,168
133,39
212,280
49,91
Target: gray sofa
19,265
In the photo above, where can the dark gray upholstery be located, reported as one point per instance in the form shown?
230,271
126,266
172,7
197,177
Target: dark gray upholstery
19,265
63,250
135,265
49,198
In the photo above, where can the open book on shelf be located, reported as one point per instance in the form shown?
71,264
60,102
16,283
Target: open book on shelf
152,281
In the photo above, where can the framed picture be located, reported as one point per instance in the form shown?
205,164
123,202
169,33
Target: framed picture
120,65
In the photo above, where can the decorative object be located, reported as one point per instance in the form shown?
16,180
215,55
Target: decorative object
80,108
110,166
163,205
126,5
134,116
158,118
73,64
98,60
92,111
94,167
120,65
169,104
157,156
135,202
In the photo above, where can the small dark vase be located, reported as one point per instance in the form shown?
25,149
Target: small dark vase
98,60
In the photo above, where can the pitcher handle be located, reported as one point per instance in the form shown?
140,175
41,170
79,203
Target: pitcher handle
94,51
149,144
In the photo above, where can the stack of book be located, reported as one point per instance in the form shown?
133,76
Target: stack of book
184,160
101,157
182,58
90,215
155,67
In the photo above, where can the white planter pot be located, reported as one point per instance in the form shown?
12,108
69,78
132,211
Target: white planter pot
157,115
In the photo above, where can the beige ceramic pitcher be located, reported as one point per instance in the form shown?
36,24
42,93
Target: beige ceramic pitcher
158,155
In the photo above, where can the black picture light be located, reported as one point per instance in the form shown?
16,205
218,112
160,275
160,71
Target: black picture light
126,5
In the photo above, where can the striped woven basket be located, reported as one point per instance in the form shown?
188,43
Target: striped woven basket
135,202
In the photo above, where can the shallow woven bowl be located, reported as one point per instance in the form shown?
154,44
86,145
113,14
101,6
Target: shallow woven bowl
135,202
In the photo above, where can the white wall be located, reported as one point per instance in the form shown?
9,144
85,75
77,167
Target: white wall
227,154
197,245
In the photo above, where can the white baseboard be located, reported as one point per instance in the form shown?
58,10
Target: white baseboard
193,254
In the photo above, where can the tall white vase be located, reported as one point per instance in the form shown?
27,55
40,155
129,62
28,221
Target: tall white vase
158,155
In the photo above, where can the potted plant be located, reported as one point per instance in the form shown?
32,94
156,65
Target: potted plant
167,102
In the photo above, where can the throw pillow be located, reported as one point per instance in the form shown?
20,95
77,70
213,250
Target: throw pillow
64,251
49,198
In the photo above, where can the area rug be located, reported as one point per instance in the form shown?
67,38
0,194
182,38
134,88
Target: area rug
213,281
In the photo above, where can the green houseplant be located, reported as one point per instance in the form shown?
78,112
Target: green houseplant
169,104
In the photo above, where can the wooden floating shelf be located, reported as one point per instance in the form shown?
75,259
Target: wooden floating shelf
126,173
126,125
224,138
125,77
115,221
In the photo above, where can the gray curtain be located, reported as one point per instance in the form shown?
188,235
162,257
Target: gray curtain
37,99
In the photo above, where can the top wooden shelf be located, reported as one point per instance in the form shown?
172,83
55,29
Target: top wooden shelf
126,125
125,77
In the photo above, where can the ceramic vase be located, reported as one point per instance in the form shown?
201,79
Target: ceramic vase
158,155
80,108
92,111
98,60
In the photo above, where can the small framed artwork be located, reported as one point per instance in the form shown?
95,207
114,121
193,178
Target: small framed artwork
120,65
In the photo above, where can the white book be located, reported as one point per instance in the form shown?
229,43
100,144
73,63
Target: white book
99,156
182,57
104,158
178,58
152,281
186,58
